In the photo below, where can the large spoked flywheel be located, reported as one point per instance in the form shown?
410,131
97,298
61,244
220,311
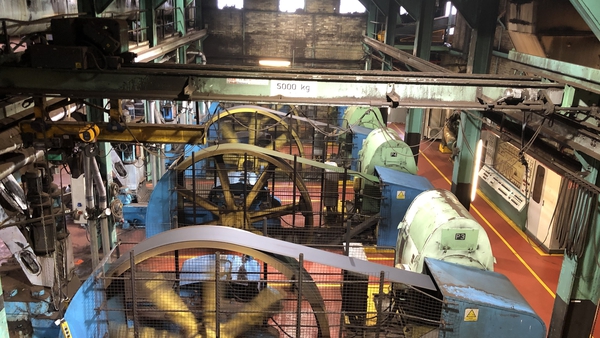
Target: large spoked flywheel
239,186
255,125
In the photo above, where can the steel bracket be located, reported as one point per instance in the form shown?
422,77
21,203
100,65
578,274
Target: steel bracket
392,96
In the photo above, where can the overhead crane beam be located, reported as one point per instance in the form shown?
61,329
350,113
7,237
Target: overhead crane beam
260,85
134,132
42,132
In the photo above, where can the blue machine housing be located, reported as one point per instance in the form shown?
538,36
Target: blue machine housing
482,303
398,191
359,135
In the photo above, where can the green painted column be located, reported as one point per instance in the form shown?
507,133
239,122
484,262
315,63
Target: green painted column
390,30
148,19
470,126
487,16
87,7
103,158
180,26
97,115
469,133
371,20
199,15
422,45
422,49
578,288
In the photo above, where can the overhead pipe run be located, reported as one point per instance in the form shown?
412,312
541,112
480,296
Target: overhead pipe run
89,199
19,160
10,140
102,204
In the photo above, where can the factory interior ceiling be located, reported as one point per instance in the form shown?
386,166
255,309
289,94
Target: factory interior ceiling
238,114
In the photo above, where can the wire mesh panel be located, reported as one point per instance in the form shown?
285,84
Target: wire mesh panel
207,293
265,194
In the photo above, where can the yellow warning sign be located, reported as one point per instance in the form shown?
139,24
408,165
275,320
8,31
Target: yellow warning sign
471,315
400,194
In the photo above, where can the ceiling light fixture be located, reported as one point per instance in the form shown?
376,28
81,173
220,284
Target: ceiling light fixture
274,63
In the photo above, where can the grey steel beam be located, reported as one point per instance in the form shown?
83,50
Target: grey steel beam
145,54
239,84
409,59
581,77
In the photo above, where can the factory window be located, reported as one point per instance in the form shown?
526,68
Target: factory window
351,6
290,6
239,4
450,9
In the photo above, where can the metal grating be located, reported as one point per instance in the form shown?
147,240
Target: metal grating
174,295
267,195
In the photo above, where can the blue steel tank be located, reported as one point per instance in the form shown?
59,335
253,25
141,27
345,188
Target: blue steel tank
437,226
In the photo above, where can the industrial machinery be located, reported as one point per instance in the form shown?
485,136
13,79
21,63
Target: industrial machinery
255,125
224,281
148,292
357,122
450,133
256,189
451,235
368,117
398,191
382,147
34,230
525,189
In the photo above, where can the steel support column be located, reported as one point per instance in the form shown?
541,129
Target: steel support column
371,27
422,45
181,29
198,15
87,7
578,289
148,20
462,174
422,49
487,15
390,32
371,20
104,164
470,125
